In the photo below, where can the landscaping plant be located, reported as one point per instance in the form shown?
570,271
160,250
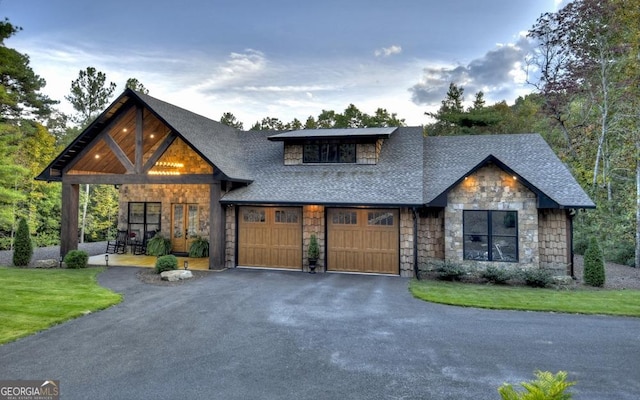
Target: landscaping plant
158,246
199,248
547,386
594,264
314,249
496,274
22,247
166,263
76,259
537,277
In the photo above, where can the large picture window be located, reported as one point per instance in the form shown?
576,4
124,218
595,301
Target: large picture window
490,235
329,152
143,218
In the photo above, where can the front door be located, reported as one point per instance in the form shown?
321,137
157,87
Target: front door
184,226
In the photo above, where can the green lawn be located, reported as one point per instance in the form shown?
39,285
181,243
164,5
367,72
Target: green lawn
34,299
582,301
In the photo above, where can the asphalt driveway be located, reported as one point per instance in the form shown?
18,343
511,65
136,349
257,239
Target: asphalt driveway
247,334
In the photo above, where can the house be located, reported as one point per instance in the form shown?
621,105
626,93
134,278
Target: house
379,200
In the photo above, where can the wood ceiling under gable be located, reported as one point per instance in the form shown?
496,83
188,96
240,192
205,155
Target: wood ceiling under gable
100,158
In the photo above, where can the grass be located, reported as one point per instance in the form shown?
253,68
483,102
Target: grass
35,299
581,301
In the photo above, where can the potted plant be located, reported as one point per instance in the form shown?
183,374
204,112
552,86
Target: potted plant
313,253
199,247
158,246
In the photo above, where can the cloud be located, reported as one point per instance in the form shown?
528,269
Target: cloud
387,51
239,69
496,74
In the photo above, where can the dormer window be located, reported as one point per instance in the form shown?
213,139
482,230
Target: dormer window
326,151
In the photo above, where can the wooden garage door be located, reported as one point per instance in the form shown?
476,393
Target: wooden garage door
363,240
270,237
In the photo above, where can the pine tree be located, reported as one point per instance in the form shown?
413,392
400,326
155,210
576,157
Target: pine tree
23,248
594,264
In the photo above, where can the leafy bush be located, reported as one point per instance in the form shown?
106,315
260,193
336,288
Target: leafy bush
594,264
76,259
623,253
547,386
199,248
580,245
22,247
158,246
166,263
451,271
537,277
496,274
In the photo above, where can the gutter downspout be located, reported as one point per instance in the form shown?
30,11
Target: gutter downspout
571,214
415,243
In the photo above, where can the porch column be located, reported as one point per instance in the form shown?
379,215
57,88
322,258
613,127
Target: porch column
69,218
216,228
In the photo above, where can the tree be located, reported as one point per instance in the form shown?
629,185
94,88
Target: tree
134,84
449,113
594,264
23,248
19,85
89,95
230,120
10,175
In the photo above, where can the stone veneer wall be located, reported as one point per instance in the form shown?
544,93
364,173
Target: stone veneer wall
313,222
167,195
490,188
366,153
406,243
431,236
230,238
554,239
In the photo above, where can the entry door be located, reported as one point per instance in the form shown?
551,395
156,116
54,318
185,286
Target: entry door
184,226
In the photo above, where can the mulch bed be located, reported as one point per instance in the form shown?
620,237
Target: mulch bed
149,276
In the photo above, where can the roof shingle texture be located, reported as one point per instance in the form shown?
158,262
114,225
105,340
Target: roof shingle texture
395,180
449,158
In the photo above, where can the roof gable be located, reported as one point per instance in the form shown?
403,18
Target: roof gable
448,159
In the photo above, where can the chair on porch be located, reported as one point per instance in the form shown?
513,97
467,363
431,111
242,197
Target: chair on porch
140,247
119,244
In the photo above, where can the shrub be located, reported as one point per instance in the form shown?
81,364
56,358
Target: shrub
22,245
547,386
166,263
496,274
158,246
76,259
451,271
199,248
314,250
580,245
623,253
594,264
537,277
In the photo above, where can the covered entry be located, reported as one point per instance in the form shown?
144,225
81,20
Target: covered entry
270,237
363,240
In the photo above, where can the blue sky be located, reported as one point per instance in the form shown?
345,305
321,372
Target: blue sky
283,58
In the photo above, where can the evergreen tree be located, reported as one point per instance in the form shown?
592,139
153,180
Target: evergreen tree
594,264
23,248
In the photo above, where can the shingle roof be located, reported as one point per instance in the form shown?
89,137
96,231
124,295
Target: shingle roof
395,180
383,132
447,159
218,143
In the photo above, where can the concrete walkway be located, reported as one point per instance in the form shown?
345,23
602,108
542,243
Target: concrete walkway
249,334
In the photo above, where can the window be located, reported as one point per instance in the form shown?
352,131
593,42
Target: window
329,152
380,218
143,218
254,215
345,218
490,235
286,216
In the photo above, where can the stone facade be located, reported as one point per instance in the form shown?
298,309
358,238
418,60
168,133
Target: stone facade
292,154
230,238
490,188
554,235
431,236
313,222
406,242
166,195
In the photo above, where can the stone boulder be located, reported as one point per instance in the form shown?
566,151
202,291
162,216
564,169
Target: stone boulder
51,263
176,275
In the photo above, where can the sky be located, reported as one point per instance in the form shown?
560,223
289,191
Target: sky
283,58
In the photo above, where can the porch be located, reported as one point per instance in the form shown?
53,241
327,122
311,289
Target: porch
131,260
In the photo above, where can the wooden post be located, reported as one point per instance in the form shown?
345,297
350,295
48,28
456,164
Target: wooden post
216,228
69,218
